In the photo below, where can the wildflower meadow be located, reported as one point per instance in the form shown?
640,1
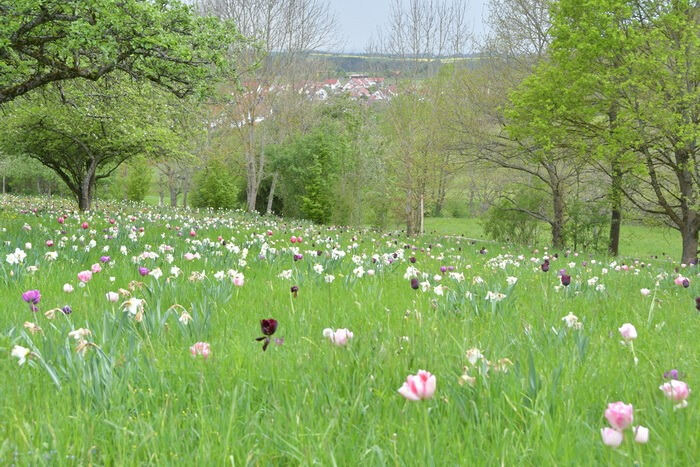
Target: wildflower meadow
142,335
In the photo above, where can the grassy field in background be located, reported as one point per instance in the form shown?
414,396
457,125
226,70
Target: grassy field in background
635,240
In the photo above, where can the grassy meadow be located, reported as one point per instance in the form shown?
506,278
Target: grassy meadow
117,379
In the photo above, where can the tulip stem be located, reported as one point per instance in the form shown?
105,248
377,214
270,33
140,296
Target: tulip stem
634,354
427,436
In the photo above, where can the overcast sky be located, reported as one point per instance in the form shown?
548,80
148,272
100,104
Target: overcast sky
358,20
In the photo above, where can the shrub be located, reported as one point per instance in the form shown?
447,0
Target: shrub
214,187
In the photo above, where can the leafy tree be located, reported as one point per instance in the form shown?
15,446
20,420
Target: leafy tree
162,41
214,186
138,179
84,131
623,85
310,169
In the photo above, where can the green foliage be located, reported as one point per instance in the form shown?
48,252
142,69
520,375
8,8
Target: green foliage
456,208
587,225
138,179
309,167
214,187
506,222
161,41
84,131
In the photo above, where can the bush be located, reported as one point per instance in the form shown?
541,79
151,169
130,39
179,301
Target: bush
456,208
214,187
588,225
138,179
505,224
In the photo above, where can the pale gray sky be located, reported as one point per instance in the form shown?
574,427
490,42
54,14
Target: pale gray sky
358,20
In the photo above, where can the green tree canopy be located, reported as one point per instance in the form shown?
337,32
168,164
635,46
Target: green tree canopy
163,41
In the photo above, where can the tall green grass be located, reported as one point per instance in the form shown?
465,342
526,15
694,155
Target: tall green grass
139,397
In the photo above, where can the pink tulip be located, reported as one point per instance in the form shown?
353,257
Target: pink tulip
112,297
611,437
200,348
49,243
84,225
678,280
677,391
61,220
641,434
189,256
619,415
96,268
84,276
293,239
238,280
193,233
299,239
628,332
339,337
419,386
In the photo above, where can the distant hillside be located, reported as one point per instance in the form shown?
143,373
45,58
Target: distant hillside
385,65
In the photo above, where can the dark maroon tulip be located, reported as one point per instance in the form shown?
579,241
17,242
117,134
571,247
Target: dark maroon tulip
482,251
565,279
298,257
545,266
414,283
412,259
686,283
697,303
268,326
294,290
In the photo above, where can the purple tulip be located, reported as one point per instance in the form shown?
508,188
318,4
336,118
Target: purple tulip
672,374
67,310
443,269
105,259
32,296
144,271
545,266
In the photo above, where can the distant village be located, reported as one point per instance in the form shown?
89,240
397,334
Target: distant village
372,89
358,86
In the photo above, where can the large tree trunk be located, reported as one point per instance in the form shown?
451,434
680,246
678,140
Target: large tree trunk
86,189
689,233
558,219
173,196
271,195
615,210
